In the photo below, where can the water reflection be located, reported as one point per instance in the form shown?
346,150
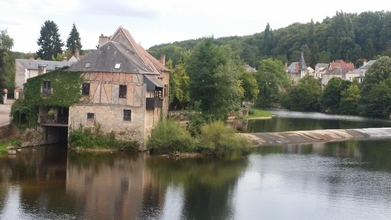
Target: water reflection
290,120
207,184
340,180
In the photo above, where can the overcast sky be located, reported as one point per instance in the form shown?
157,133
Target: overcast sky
153,22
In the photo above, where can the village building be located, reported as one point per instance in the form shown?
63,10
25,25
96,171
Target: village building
125,90
28,68
297,70
359,73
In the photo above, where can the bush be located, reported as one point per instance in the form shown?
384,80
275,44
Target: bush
216,137
95,138
169,136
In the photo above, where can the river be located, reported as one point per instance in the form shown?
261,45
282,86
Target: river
339,180
285,120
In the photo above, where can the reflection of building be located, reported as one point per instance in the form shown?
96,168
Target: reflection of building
108,187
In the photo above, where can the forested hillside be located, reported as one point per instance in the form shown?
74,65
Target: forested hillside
351,37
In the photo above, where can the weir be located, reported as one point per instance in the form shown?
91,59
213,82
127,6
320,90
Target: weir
311,136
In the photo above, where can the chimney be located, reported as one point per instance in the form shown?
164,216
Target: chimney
103,40
286,65
31,57
364,62
77,54
163,59
65,59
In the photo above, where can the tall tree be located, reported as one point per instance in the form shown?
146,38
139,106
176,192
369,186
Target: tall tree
203,64
306,94
250,86
7,63
350,98
267,43
271,78
49,41
73,41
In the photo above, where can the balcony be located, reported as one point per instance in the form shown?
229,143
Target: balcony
54,121
154,103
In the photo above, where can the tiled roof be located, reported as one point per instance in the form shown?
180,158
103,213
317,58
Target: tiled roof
368,64
148,59
342,64
120,49
112,57
293,68
47,64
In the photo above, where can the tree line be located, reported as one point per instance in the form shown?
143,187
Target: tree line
348,36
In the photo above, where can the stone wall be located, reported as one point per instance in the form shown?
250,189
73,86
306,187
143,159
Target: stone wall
5,131
39,136
110,119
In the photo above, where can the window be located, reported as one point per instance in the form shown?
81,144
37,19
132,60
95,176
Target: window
127,115
122,91
165,90
117,65
158,93
87,65
46,89
86,89
90,116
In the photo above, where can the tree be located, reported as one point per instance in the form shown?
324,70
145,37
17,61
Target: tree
49,41
305,96
270,77
229,92
250,86
379,72
331,95
179,84
73,41
203,64
2,79
350,98
7,63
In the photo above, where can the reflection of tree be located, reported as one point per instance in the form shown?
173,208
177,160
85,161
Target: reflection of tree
40,176
376,153
208,183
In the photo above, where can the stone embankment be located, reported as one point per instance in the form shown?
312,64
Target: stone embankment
311,136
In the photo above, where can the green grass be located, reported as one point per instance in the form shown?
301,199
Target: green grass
4,144
255,113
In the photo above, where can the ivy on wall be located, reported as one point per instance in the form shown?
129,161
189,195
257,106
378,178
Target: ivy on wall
66,91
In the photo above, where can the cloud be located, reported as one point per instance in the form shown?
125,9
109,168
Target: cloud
117,8
4,23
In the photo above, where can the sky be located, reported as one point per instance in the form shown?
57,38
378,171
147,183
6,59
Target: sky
154,22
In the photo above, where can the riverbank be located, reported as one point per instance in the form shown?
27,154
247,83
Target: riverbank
311,136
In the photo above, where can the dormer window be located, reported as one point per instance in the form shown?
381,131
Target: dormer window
87,65
117,65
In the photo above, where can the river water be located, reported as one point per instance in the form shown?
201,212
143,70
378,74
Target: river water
339,180
286,120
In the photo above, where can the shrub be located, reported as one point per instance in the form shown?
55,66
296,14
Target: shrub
216,137
95,138
169,136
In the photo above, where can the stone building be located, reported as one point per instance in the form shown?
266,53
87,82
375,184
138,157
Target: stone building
125,89
28,68
297,70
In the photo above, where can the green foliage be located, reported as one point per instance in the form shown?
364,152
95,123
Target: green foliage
65,92
331,96
49,41
377,78
254,113
169,136
179,84
95,138
270,77
216,137
349,100
73,41
250,86
9,142
211,75
305,96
